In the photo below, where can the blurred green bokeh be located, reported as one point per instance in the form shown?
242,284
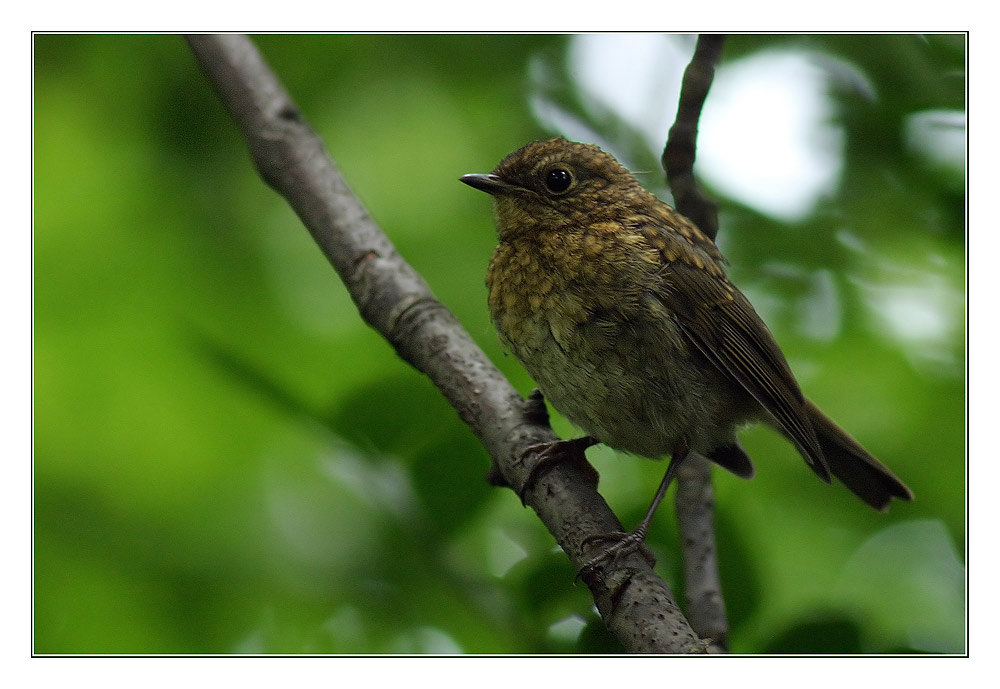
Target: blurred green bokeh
227,460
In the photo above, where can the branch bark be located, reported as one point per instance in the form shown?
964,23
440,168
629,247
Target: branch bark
637,606
695,500
695,507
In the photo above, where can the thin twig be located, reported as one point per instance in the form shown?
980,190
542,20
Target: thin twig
637,606
695,504
679,153
695,501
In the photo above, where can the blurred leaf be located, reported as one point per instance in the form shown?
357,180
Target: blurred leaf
826,634
929,578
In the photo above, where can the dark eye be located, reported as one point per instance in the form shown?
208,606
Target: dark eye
557,180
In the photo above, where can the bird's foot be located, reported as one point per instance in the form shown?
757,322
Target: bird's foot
621,543
550,454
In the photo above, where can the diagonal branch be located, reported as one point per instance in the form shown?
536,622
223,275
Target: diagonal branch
695,501
638,607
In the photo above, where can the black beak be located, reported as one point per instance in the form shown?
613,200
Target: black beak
491,184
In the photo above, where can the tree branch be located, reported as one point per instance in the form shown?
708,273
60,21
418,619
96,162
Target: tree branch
638,607
679,153
695,505
695,501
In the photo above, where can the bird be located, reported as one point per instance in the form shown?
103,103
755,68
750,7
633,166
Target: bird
621,310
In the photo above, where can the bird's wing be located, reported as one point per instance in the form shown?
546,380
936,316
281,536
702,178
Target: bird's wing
722,324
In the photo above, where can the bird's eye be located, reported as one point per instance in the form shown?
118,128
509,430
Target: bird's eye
558,180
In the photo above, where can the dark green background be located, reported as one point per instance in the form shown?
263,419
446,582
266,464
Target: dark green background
228,460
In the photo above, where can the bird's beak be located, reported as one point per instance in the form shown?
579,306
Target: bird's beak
491,184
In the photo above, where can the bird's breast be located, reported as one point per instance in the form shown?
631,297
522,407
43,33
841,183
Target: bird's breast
583,314
546,285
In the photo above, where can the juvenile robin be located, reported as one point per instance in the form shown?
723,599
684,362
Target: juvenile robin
620,309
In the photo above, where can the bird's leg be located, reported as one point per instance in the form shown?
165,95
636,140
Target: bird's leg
550,454
623,543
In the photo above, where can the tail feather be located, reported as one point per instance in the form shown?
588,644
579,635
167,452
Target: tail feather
856,468
733,458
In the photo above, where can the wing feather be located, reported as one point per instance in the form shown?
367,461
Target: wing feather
722,324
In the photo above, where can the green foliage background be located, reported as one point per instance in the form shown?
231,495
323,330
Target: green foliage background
228,460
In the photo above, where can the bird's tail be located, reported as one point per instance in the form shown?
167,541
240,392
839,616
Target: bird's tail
864,475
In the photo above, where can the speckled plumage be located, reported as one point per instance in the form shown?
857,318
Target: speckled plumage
580,310
620,309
